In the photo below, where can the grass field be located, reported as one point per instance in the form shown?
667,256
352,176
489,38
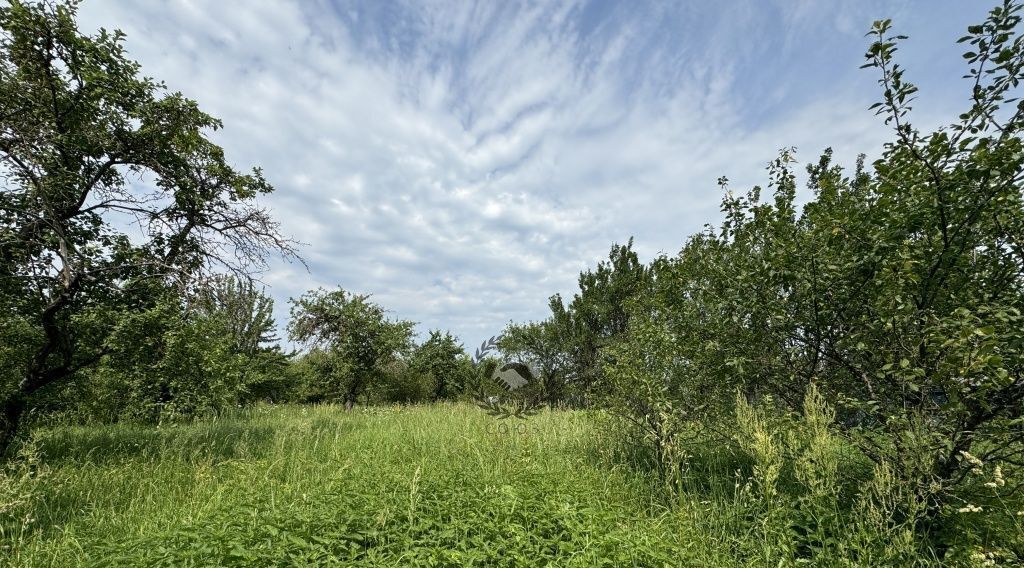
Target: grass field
431,486
442,485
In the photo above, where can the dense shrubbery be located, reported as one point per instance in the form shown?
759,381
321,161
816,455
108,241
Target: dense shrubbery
188,359
357,353
565,349
179,357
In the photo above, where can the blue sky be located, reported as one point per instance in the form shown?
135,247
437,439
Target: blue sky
463,161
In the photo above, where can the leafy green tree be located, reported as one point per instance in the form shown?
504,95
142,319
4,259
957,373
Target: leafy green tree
353,340
245,317
539,346
599,313
246,313
713,322
566,348
77,123
441,362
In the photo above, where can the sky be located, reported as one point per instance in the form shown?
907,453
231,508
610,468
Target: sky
463,161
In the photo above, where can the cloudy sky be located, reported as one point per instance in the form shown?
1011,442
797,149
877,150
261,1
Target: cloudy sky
463,161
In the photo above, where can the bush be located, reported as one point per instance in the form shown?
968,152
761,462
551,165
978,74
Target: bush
897,292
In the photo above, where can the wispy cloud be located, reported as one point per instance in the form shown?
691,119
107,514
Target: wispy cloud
462,161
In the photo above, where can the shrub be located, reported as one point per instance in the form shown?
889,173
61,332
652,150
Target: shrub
896,291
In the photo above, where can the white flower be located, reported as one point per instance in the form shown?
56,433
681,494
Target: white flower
971,459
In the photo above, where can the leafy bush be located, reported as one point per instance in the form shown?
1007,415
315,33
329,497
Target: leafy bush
895,292
178,357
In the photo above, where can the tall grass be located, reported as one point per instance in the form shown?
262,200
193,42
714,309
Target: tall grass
443,485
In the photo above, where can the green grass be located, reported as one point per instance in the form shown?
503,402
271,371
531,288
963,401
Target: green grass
448,485
442,485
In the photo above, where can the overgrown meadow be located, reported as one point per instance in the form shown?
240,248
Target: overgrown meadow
449,485
439,485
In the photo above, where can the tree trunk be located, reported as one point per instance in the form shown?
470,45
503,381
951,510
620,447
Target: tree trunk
38,374
13,410
350,401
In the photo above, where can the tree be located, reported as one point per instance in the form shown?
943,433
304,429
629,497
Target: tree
441,362
566,348
353,339
244,316
164,361
599,314
538,346
78,239
246,313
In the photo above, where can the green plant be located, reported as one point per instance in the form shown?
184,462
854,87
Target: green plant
896,291
78,120
354,342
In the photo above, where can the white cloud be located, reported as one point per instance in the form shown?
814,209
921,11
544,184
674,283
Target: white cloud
462,162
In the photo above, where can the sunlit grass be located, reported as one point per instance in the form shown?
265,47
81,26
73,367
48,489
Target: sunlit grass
443,485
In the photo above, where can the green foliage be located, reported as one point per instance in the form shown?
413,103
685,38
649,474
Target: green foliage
355,345
445,485
19,486
181,358
243,316
163,363
481,383
836,384
897,293
800,506
77,122
440,363
566,347
397,371
314,485
599,313
539,346
404,385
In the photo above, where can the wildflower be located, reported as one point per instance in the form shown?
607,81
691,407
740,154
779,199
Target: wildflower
971,459
970,508
985,558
